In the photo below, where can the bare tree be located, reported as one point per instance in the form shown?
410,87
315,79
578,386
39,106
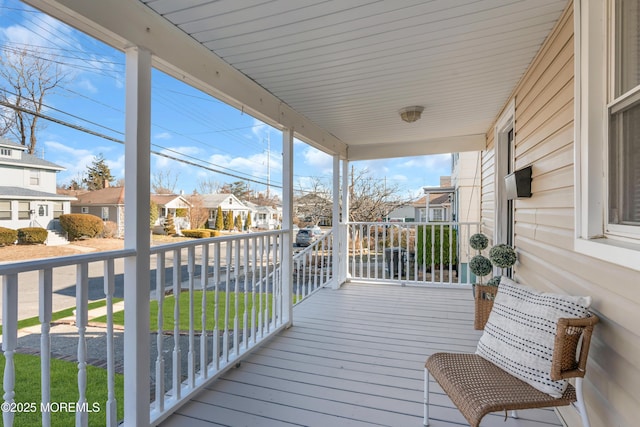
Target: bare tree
315,202
208,186
164,181
198,214
370,199
27,77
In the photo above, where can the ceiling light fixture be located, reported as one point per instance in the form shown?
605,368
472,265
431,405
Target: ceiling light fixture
411,114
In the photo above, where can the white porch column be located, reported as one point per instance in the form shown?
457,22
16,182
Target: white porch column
136,236
344,235
335,226
287,222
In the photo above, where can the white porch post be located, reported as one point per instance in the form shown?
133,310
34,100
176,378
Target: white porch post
346,194
287,222
136,269
335,226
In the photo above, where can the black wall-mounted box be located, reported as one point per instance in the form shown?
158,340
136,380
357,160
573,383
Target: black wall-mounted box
518,183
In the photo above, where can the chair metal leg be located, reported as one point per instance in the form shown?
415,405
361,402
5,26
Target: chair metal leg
426,397
580,405
514,414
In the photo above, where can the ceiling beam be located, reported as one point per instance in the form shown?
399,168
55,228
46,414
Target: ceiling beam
126,23
453,144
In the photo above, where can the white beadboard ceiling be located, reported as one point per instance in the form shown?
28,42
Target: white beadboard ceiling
344,67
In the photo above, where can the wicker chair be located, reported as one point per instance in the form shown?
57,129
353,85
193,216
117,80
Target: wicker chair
478,387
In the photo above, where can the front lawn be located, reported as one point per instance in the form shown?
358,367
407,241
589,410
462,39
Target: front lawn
64,390
168,310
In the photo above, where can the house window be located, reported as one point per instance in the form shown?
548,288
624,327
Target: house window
5,210
84,210
607,52
5,152
23,210
624,123
437,214
34,177
58,209
105,213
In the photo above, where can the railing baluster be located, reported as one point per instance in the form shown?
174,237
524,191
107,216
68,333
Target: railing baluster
82,301
177,353
227,303
216,303
254,265
260,296
204,276
109,289
433,253
269,286
46,294
245,314
191,354
160,279
236,295
441,252
9,341
450,253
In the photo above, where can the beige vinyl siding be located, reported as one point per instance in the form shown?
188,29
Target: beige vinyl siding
545,230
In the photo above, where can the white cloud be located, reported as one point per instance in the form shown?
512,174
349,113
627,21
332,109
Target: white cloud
318,159
86,85
163,135
76,160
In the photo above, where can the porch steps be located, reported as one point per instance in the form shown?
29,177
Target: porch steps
56,238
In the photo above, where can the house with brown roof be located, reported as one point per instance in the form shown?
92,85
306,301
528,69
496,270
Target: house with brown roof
108,204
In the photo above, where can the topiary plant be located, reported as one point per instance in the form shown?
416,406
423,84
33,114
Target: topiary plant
479,241
480,266
502,256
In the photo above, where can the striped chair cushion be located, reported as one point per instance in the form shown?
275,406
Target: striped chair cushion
520,333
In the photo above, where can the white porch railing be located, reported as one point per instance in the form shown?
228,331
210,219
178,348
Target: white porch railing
411,253
215,299
11,277
234,292
313,267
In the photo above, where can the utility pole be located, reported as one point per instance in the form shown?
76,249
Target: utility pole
268,163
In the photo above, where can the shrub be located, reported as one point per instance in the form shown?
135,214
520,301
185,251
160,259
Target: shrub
8,236
502,256
198,234
449,254
32,235
110,230
480,266
479,241
81,225
182,212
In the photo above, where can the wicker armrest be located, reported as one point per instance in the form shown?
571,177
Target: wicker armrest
573,337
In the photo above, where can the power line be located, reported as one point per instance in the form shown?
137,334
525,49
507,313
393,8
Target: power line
119,141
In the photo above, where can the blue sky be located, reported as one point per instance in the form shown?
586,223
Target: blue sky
186,123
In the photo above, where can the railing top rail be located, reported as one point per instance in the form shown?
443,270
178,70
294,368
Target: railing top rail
408,224
43,263
312,246
209,240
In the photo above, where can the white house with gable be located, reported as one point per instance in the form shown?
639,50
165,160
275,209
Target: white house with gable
28,189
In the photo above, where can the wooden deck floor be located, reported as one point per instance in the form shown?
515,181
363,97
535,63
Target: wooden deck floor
354,357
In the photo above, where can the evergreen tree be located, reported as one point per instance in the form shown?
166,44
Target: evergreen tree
153,213
98,174
238,222
169,226
228,220
248,222
219,219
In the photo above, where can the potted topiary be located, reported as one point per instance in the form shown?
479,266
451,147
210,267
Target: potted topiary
481,266
502,256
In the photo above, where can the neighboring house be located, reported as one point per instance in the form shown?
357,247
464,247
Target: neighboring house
313,208
265,217
31,200
437,201
169,204
228,202
107,204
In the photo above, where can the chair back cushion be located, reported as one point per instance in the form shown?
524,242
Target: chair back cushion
520,333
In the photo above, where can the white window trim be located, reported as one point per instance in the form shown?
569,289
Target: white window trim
84,210
504,124
590,136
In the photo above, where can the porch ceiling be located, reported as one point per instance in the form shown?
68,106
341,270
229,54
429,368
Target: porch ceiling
346,67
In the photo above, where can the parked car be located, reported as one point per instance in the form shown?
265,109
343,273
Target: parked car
307,236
